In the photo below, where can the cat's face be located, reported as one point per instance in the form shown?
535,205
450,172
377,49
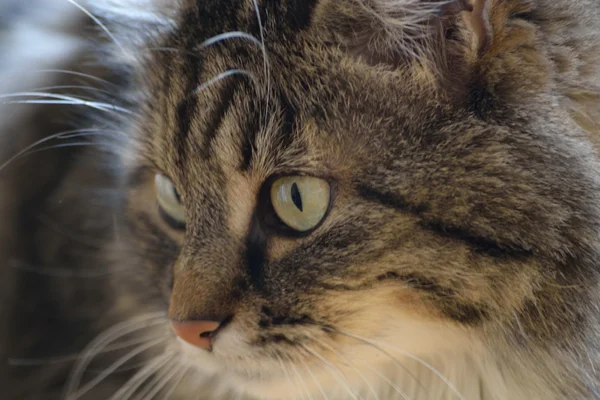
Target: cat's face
330,208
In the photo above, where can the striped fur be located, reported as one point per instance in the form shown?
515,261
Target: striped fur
460,255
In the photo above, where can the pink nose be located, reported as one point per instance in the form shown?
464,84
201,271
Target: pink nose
197,333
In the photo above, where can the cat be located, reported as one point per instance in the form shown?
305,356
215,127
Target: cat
306,199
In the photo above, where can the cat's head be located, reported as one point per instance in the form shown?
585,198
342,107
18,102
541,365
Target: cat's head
337,184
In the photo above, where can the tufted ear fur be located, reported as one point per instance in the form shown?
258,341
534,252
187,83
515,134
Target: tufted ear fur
393,31
478,21
473,50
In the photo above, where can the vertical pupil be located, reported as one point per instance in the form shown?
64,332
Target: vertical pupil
296,197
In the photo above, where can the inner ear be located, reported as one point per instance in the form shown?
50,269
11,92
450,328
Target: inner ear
476,16
477,20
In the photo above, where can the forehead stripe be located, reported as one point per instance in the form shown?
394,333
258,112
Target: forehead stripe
192,70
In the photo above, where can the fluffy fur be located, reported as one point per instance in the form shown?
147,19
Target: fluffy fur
460,256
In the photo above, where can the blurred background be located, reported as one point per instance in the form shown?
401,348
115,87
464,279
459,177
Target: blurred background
48,49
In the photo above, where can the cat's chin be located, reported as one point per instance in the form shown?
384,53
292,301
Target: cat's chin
260,380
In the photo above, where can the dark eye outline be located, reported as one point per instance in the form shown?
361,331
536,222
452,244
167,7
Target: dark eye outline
271,220
171,221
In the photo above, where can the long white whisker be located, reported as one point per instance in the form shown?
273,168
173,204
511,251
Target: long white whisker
161,380
74,144
176,383
314,378
76,73
224,75
60,135
66,145
286,372
229,35
350,364
339,378
104,82
113,367
142,376
60,87
301,381
105,338
391,357
101,25
26,362
209,42
405,353
65,100
385,378
50,102
93,132
180,373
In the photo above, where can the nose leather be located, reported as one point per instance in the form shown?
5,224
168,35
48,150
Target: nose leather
196,333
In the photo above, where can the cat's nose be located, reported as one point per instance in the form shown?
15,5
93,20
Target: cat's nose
197,333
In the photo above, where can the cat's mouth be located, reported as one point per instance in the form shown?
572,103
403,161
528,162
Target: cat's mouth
231,347
208,345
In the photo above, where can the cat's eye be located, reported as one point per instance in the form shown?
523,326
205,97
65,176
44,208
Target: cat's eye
169,202
301,202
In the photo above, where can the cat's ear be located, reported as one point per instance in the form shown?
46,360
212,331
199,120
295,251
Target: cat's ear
477,21
393,31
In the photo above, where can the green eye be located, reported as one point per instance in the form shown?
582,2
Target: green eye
169,202
301,202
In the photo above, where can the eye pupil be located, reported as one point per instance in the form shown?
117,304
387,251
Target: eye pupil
297,197
301,203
